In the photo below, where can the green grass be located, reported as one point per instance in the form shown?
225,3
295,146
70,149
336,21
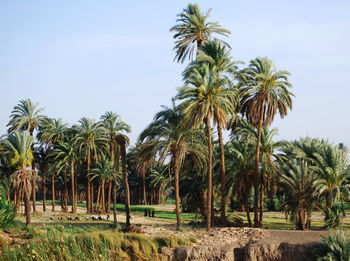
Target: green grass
65,243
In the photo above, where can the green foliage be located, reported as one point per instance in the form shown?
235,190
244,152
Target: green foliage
334,216
7,213
271,204
335,248
57,244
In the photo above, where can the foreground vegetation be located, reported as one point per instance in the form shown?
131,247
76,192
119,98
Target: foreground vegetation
88,243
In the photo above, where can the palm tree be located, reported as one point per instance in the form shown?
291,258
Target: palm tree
168,136
122,141
104,173
206,98
66,155
264,92
193,30
92,142
26,116
268,147
333,175
160,178
241,168
113,124
51,131
43,160
17,147
297,180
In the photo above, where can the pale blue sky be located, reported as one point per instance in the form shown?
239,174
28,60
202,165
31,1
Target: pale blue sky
82,58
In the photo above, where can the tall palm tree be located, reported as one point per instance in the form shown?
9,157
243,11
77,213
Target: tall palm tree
66,155
205,99
169,136
193,30
122,141
217,57
17,147
51,131
27,116
92,142
265,92
114,125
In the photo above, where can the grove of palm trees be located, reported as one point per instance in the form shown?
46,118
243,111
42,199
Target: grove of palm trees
210,160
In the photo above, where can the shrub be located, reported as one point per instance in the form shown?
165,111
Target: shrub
334,216
7,213
334,248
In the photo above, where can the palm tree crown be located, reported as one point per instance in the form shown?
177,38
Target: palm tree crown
25,116
193,30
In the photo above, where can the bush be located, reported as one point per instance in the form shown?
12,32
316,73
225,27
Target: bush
7,213
59,244
271,204
334,248
334,216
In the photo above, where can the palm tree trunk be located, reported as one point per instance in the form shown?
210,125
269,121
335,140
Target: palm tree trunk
210,166
177,193
159,193
34,176
257,161
34,188
88,197
126,183
144,188
65,190
74,208
246,201
108,206
261,209
76,186
53,190
92,195
110,182
223,183
44,190
98,196
103,197
116,160
27,207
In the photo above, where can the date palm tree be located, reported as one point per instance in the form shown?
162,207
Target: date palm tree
167,135
333,175
206,98
18,149
122,141
192,30
264,91
241,171
298,181
27,116
114,125
66,155
43,160
217,57
51,131
104,173
268,152
92,142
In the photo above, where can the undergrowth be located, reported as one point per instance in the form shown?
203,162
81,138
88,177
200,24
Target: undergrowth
60,243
